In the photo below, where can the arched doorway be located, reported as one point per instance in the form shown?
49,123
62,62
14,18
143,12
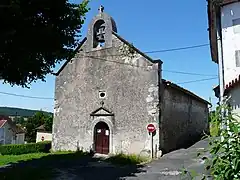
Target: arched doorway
101,138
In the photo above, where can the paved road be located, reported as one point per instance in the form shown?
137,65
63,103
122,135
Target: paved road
169,167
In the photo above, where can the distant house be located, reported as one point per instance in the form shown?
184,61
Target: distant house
224,34
42,134
10,133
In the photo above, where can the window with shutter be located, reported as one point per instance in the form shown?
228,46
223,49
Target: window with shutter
1,134
237,58
236,26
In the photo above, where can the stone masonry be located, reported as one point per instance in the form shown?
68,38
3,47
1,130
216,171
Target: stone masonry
132,86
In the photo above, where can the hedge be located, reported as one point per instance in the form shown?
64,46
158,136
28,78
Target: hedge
17,149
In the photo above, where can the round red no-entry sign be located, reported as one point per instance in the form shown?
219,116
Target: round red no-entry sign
151,128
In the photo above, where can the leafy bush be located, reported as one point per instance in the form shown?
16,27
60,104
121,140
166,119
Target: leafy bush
224,147
17,149
214,129
225,161
214,123
124,159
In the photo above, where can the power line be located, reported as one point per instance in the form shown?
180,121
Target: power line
168,50
47,98
199,80
177,49
24,96
177,72
188,73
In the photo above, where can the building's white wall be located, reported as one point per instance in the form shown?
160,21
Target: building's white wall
235,100
47,136
20,138
2,134
9,135
231,41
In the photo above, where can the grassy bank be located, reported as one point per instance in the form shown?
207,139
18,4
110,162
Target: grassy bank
8,159
46,166
35,166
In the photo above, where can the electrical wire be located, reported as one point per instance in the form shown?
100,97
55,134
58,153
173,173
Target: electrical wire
168,50
177,49
48,98
147,52
199,80
127,64
189,73
24,96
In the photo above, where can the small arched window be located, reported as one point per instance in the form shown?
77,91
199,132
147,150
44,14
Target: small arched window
99,34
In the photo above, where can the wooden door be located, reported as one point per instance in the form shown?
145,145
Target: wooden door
101,139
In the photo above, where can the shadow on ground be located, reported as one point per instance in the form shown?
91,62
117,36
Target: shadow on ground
75,166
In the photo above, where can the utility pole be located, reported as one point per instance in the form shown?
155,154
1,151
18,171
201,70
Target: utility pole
220,67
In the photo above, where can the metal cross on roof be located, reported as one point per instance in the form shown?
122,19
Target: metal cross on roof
101,9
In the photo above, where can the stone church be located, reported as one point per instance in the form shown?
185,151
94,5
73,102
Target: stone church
106,96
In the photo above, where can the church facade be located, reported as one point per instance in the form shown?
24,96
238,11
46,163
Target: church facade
110,91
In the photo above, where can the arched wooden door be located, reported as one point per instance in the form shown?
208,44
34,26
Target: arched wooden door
101,138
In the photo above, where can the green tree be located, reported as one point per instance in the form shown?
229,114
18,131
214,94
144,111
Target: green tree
19,120
40,118
48,122
35,35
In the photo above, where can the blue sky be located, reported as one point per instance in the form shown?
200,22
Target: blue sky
149,25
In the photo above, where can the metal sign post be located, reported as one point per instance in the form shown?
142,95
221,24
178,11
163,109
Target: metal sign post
151,129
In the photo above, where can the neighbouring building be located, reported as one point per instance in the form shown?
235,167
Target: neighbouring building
224,33
43,134
110,91
10,133
184,117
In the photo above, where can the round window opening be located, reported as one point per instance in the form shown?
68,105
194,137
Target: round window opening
102,94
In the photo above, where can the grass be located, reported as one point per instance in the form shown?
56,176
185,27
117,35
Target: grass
36,166
42,166
7,159
124,159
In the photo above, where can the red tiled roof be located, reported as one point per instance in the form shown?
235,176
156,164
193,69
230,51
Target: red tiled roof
2,122
14,127
232,84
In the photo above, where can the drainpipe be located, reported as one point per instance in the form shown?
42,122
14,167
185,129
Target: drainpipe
220,62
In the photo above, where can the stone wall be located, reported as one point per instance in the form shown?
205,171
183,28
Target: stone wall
184,118
131,86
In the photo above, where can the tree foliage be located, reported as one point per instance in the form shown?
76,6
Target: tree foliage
19,120
35,35
40,118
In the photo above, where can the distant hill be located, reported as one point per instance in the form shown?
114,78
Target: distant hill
11,111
